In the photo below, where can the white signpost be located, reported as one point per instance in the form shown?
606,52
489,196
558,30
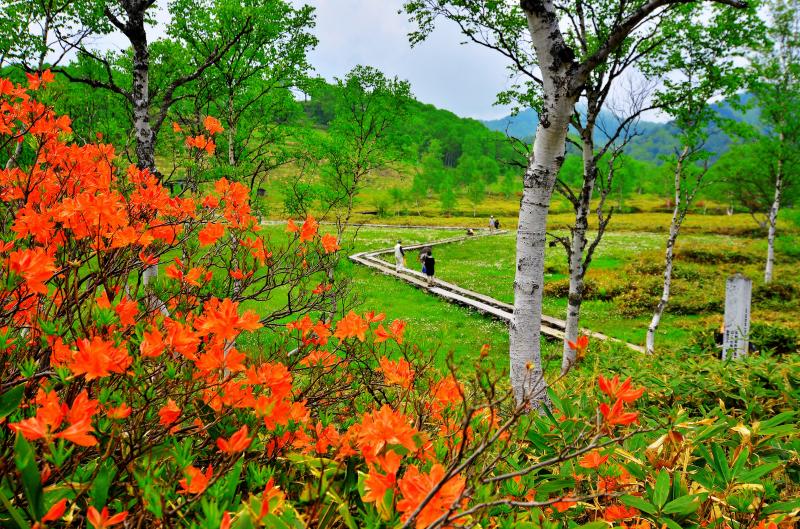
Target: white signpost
736,333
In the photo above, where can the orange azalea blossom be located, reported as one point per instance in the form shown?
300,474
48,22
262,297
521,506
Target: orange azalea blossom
319,357
592,460
272,499
122,411
55,512
195,481
35,266
580,345
351,326
371,317
212,125
619,512
291,227
176,127
397,372
615,414
615,390
303,325
415,487
322,287
152,343
226,521
169,413
237,443
564,504
96,358
126,310
397,328
101,520
381,335
309,229
221,319
381,429
767,524
330,243
50,414
326,436
210,234
376,483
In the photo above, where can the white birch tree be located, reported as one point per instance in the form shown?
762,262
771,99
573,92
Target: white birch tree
529,33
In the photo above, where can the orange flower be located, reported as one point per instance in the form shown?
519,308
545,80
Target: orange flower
619,512
97,358
564,504
126,310
195,481
55,512
212,125
397,372
351,326
615,415
237,443
221,318
383,428
309,229
210,234
291,227
592,460
381,335
330,243
176,127
35,267
397,328
615,390
415,487
376,483
152,343
122,411
101,520
169,413
580,345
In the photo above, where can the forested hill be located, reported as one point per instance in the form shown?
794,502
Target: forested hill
654,140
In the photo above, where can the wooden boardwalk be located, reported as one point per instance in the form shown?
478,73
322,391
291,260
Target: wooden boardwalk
551,327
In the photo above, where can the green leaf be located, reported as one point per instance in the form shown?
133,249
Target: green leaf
25,460
782,506
639,503
721,461
555,485
15,514
593,525
684,505
9,401
661,491
99,492
752,476
738,465
672,524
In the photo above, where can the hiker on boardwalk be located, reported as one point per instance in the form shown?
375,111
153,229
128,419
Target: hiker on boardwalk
399,257
496,224
423,253
470,232
429,267
492,223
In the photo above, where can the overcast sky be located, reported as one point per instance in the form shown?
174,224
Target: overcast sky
461,78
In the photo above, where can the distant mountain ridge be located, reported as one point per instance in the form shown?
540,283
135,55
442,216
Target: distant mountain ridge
654,139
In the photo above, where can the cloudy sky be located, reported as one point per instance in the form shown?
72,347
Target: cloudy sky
460,78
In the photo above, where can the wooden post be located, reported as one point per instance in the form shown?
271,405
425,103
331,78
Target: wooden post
735,336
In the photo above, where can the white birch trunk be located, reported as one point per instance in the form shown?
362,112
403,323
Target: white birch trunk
527,376
145,136
674,229
773,220
576,257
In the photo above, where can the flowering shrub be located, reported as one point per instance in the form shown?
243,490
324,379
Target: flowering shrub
129,399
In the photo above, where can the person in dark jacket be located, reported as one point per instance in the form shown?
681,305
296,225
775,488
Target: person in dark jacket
430,266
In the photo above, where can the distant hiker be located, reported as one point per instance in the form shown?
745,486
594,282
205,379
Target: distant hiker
430,266
496,224
422,255
491,223
470,232
399,256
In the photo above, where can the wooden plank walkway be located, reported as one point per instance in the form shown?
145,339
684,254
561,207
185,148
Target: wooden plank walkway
551,327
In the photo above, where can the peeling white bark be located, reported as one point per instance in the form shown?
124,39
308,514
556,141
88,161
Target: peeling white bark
773,220
678,213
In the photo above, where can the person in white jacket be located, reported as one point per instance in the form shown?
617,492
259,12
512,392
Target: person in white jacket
399,256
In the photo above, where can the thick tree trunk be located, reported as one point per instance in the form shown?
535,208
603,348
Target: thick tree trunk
527,376
577,269
145,136
773,220
674,229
